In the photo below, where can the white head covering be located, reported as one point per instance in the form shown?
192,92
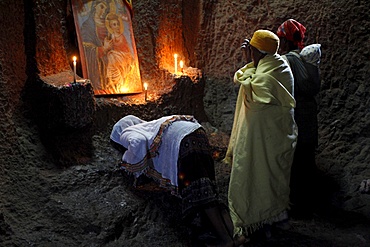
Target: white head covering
122,124
311,54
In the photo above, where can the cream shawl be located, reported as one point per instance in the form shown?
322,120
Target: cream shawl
261,144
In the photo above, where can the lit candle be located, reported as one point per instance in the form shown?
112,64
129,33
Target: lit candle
182,66
146,90
175,63
74,68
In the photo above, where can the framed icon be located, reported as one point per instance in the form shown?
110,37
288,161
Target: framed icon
107,45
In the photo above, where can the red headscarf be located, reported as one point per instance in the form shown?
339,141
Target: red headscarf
289,28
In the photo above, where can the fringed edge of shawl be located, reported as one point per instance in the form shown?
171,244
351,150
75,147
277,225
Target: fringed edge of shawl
257,226
151,173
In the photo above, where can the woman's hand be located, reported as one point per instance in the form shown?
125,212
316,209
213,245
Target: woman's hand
246,50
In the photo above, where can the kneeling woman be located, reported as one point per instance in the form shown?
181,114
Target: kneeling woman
174,151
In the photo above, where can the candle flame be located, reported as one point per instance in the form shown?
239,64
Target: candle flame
175,63
145,86
181,64
74,58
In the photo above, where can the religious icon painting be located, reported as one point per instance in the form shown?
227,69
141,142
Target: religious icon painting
107,45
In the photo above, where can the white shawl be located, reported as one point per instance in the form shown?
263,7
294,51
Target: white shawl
150,145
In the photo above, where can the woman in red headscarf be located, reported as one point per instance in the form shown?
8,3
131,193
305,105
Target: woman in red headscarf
291,34
306,87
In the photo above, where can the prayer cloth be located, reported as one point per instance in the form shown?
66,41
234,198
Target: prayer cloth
262,144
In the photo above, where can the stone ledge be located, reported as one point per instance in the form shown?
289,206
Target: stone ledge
66,104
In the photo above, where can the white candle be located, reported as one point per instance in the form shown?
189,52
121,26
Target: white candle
182,66
74,68
175,63
146,90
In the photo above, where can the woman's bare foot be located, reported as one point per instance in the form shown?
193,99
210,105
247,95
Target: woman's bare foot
240,240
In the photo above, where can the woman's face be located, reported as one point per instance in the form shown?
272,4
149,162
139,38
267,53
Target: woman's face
100,10
256,55
283,48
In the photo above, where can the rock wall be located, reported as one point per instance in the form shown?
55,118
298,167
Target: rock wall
38,38
344,109
341,27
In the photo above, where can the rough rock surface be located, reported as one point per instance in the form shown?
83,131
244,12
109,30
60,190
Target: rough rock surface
63,188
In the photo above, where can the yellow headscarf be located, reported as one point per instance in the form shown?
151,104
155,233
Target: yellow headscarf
265,41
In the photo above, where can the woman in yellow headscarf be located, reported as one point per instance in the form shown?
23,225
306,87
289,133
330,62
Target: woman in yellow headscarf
263,137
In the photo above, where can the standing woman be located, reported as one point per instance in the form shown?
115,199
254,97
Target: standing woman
263,137
305,70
